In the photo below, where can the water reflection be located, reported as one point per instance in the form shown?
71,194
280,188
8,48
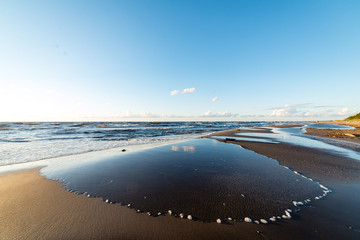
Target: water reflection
189,149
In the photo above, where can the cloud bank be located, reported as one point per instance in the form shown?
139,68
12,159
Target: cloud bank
219,114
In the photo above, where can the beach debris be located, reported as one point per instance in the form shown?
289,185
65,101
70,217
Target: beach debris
170,212
243,195
263,221
138,211
189,217
229,219
247,219
159,213
181,215
124,150
107,200
256,221
129,205
218,220
88,195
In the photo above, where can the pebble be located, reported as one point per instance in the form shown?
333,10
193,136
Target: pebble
181,215
263,221
170,212
218,220
247,219
189,217
256,221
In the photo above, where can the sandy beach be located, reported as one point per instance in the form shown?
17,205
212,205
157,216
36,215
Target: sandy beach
33,207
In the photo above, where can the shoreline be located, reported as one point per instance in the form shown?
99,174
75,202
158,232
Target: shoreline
347,135
48,210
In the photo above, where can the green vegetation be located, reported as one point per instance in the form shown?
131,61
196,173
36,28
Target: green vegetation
355,117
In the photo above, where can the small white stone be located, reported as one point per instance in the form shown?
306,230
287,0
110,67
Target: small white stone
148,213
230,219
88,195
288,214
129,205
278,217
218,220
263,221
273,219
256,221
189,217
170,212
247,219
159,213
138,210
107,200
181,215
289,210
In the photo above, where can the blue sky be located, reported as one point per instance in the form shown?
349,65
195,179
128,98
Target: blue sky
226,60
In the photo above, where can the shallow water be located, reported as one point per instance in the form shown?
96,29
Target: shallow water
204,178
294,136
26,142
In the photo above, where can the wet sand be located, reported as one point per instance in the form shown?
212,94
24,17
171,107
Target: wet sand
32,207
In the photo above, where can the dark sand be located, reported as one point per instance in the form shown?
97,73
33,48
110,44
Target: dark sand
32,207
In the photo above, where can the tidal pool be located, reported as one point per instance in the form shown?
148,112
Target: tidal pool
204,178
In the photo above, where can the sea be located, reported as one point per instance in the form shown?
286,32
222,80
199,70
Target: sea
26,142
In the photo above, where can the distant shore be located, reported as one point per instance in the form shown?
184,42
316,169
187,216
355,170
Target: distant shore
341,134
33,207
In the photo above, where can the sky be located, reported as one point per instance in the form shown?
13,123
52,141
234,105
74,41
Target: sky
195,60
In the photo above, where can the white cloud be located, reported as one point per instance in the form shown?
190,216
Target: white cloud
188,90
219,114
174,92
308,111
214,99
287,111
344,111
